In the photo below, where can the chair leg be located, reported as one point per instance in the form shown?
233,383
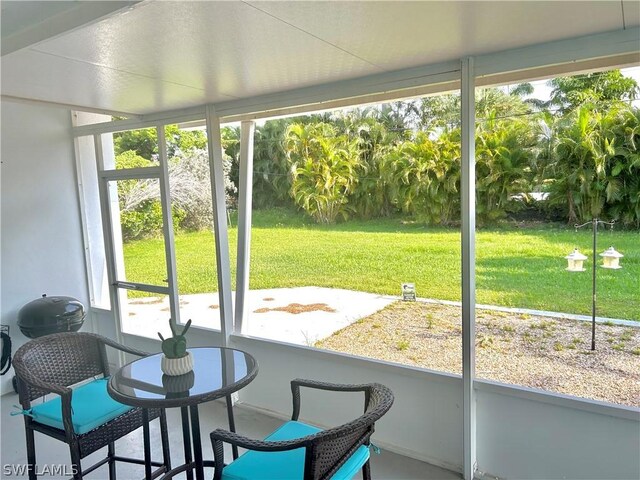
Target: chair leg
31,453
75,461
164,435
366,471
111,452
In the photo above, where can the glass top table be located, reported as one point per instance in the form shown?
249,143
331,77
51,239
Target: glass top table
217,373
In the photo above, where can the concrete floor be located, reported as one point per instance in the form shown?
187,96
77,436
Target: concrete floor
387,465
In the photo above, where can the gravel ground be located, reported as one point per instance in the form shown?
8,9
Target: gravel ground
548,353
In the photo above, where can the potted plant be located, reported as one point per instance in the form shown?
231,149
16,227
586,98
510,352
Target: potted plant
176,359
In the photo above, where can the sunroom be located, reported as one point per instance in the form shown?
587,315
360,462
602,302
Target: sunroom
77,74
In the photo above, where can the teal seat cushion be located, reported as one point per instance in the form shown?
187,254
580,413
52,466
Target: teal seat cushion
91,406
287,465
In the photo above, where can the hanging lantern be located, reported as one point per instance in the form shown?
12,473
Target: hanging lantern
611,258
575,261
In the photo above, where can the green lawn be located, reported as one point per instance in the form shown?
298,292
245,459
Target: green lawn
515,267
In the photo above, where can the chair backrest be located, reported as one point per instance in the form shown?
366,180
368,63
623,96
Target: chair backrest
333,447
62,359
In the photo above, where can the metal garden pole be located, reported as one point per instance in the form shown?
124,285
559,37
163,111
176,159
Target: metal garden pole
594,223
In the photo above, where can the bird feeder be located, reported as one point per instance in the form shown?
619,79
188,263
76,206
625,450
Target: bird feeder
611,258
575,261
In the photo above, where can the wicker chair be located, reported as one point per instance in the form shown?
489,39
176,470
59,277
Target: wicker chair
300,451
53,363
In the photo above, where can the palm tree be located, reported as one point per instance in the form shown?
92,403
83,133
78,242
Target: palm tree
271,180
503,164
621,126
323,169
369,197
423,177
579,165
597,89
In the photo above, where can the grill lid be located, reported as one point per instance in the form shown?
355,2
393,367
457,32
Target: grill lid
48,315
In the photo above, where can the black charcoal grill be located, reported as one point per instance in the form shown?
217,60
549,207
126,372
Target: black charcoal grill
48,315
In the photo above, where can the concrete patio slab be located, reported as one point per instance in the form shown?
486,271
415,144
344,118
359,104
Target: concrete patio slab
300,315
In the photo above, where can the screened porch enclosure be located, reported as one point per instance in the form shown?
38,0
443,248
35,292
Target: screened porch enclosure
102,68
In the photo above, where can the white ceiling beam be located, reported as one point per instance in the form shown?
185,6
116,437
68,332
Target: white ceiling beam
78,14
618,42
317,95
564,55
183,115
68,106
605,50
393,84
551,71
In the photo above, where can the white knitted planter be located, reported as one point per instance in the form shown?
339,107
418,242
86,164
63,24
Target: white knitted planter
177,366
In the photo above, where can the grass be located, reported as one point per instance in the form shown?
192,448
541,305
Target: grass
485,341
626,336
514,267
429,321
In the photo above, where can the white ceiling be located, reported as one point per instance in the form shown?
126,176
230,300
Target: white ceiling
157,55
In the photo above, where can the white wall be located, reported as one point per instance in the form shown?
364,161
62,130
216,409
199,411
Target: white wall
41,236
88,180
528,435
425,421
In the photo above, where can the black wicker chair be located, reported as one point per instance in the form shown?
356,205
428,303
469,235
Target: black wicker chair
53,363
300,451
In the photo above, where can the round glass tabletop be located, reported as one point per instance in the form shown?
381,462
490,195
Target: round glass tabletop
217,372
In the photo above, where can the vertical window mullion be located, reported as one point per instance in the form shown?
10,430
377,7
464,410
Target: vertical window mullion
221,236
245,191
167,227
107,229
468,212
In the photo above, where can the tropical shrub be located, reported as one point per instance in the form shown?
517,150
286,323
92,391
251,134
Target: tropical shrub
140,210
423,177
230,138
595,167
190,189
369,197
622,124
145,141
597,89
271,177
142,222
503,165
323,170
580,147
577,169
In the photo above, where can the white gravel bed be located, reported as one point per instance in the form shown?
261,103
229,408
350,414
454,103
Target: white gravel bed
538,352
